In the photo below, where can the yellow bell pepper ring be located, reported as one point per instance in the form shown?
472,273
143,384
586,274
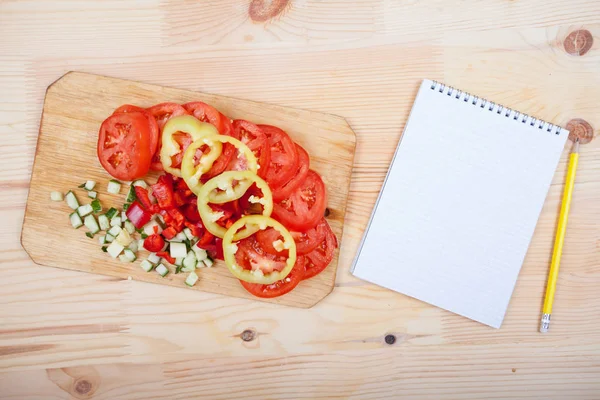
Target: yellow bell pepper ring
257,276
185,124
192,173
229,186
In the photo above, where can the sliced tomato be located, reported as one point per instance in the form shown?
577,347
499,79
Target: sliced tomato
152,124
305,206
283,191
280,287
305,241
253,137
284,156
124,145
154,243
162,113
318,259
250,256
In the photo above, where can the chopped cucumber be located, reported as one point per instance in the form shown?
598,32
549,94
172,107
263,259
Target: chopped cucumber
140,183
147,265
102,239
149,228
114,186
96,206
188,233
92,194
162,270
180,237
84,210
122,258
103,221
191,279
140,244
190,261
129,227
56,196
177,250
75,220
115,230
124,238
91,224
71,200
134,246
115,221
153,258
129,255
200,253
89,185
208,262
124,216
179,261
109,238
115,249
130,195
111,212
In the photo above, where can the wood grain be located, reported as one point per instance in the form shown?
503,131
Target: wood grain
362,60
75,106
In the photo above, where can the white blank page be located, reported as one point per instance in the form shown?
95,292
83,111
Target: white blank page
460,203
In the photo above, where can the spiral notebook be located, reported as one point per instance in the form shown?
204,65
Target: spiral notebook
460,202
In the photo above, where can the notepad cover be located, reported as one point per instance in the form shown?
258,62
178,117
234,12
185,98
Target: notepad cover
459,205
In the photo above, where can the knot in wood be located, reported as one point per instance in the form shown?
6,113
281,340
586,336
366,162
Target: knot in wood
578,42
248,335
580,129
390,339
83,386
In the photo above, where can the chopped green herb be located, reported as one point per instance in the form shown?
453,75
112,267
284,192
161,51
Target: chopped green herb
81,186
144,236
96,206
188,244
111,212
104,248
178,269
126,206
89,234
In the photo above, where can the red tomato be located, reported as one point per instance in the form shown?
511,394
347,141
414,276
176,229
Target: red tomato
305,241
162,113
256,140
321,256
152,124
280,287
124,145
284,156
304,208
250,255
154,243
169,233
283,191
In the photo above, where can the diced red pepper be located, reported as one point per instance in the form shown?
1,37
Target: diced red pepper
166,256
178,219
190,212
142,195
197,229
163,191
154,243
205,239
179,199
169,233
137,215
215,250
181,185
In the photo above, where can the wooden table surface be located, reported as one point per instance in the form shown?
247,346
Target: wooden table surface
71,335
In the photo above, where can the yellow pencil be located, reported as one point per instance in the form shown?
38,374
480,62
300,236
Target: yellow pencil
560,238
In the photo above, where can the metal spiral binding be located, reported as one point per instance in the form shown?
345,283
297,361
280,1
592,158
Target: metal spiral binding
494,107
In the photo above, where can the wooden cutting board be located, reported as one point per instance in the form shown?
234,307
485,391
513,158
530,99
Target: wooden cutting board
74,108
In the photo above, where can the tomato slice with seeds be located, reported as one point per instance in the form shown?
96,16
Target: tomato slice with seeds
283,191
256,140
305,206
305,241
250,255
152,124
280,287
318,259
284,156
162,113
124,145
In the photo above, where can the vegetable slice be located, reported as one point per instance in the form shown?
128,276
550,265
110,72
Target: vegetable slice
114,186
71,200
56,196
191,279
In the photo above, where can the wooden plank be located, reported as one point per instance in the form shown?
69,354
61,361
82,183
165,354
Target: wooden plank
74,107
